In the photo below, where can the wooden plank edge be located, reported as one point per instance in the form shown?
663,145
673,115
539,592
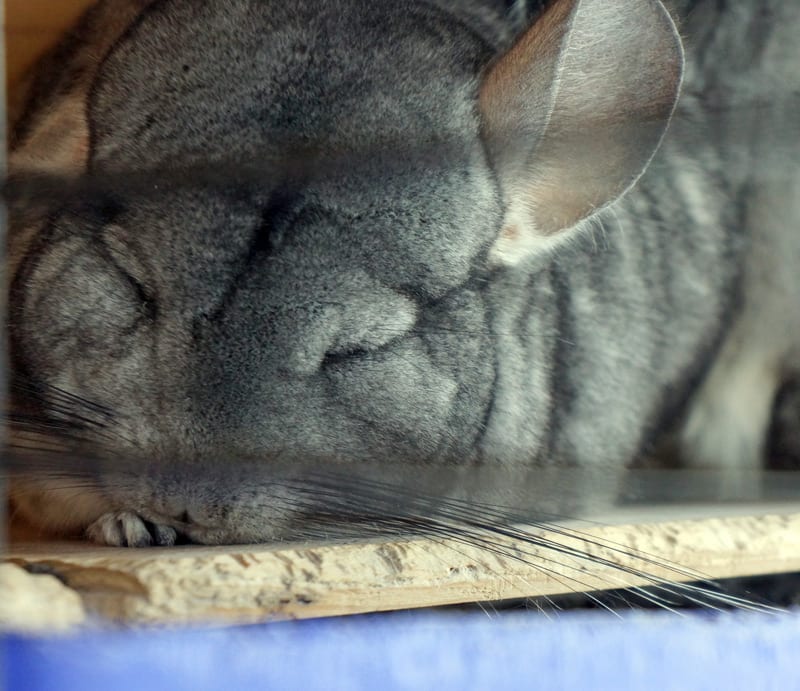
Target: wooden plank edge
257,583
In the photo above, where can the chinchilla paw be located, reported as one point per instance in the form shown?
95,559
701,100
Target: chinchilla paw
127,529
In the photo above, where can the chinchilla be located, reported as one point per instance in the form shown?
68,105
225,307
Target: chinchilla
461,235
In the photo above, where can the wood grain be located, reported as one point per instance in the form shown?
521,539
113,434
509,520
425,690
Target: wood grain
34,603
257,583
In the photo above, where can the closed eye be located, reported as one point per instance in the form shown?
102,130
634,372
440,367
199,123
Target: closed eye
337,356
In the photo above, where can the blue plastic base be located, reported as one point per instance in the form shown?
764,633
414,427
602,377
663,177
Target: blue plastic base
441,650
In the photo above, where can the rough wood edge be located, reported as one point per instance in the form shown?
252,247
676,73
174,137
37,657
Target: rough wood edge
258,583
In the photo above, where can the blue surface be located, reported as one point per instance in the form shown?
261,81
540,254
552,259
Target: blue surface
441,650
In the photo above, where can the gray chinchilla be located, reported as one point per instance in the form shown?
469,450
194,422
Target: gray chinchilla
469,234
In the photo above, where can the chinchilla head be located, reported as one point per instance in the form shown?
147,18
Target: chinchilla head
284,221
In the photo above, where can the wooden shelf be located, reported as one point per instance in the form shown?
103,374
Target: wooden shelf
257,583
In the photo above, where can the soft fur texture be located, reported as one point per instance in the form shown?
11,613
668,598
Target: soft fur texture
400,230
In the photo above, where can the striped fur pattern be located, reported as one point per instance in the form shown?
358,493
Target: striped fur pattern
273,229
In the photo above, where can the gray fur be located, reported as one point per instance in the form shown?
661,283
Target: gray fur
352,312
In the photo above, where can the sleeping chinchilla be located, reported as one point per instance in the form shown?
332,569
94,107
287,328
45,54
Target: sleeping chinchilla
458,234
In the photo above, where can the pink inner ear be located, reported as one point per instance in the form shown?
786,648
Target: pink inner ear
574,112
516,96
58,143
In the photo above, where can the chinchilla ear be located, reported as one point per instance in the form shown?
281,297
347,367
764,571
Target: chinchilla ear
574,112
58,143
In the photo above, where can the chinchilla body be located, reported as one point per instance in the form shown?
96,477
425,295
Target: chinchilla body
447,233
